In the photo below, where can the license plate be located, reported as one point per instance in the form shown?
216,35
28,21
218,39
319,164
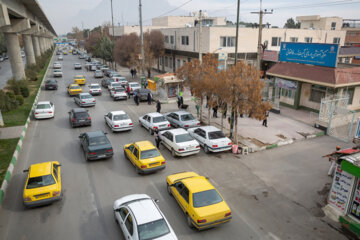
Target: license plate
162,125
189,148
153,164
81,120
102,155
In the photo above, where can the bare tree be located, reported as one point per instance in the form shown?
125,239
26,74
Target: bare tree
154,46
127,50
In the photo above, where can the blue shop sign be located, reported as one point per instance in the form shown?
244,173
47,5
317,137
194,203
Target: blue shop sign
320,54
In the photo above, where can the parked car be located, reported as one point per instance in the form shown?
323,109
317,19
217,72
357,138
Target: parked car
79,79
142,93
44,109
113,84
81,56
77,66
144,156
57,65
98,74
154,121
60,57
92,67
122,81
179,142
182,119
118,93
96,145
139,217
79,117
57,73
74,89
88,59
118,121
87,66
108,72
115,75
95,89
104,68
106,82
211,139
43,184
84,100
202,204
133,86
51,84
1,59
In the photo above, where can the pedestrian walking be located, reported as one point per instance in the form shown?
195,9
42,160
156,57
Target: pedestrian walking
149,98
207,101
135,72
215,111
136,99
265,119
157,138
128,91
132,73
179,101
158,106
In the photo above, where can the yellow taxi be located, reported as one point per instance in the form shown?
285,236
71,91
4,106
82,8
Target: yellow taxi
43,184
144,156
197,197
65,53
79,79
70,51
74,89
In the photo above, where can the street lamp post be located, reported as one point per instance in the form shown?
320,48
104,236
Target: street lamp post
142,40
113,32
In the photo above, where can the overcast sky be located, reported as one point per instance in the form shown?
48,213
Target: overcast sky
65,14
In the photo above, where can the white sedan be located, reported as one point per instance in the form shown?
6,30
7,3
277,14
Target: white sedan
95,89
118,121
44,109
179,142
154,121
139,217
211,139
118,93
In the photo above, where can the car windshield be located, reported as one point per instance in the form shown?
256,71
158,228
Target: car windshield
40,181
187,117
43,106
79,77
159,119
98,140
134,85
183,138
206,198
121,117
116,84
86,96
119,89
216,135
94,86
51,81
75,87
153,229
150,154
81,115
122,79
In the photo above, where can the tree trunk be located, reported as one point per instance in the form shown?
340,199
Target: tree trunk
201,107
236,127
222,121
209,111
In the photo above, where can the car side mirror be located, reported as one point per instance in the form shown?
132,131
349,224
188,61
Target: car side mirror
26,170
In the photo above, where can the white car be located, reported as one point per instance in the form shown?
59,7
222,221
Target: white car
57,65
211,139
60,57
98,74
118,121
95,89
118,93
57,73
84,100
122,81
139,217
44,109
113,84
179,142
77,66
154,121
133,86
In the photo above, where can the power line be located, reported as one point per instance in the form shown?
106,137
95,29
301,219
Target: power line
170,10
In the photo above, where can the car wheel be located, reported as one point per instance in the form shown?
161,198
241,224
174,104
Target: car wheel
173,153
168,189
151,131
206,149
189,221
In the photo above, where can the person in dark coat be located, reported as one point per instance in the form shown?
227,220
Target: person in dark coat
136,99
158,106
157,138
132,73
215,111
265,119
149,98
179,101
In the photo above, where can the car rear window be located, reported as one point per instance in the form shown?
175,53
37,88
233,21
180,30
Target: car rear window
216,135
183,138
149,154
75,87
187,117
86,96
79,77
116,84
40,181
159,119
98,140
206,198
121,117
81,115
43,106
94,86
119,89
153,229
51,81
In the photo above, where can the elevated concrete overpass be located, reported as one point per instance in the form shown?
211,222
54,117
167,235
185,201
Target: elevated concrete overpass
26,18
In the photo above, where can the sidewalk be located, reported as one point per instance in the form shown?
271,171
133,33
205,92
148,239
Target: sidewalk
11,132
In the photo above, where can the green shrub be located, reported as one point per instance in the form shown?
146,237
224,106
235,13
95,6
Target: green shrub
14,86
10,95
31,72
24,90
7,103
19,99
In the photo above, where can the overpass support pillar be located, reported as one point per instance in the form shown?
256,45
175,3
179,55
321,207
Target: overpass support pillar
35,40
29,49
42,45
16,62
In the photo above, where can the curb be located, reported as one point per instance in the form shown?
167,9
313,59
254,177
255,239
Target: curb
14,158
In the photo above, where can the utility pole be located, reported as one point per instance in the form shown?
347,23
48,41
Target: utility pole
261,13
142,40
200,35
232,118
112,23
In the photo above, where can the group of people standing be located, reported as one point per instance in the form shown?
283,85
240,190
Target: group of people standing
133,72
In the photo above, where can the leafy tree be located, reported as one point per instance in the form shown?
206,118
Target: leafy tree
106,49
93,42
290,23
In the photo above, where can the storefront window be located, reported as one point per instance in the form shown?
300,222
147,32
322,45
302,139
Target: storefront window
355,203
317,93
350,93
287,93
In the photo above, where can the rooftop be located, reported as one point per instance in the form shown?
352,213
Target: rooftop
40,169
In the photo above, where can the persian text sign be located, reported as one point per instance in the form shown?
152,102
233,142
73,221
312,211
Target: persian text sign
320,54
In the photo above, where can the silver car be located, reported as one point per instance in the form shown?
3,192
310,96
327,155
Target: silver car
98,74
57,73
118,93
182,119
133,86
84,100
77,66
57,65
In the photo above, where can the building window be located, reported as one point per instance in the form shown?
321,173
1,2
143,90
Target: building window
308,39
317,93
184,62
166,62
287,93
347,60
177,63
333,25
166,39
275,41
184,40
227,41
294,39
172,39
207,22
349,92
336,40
189,59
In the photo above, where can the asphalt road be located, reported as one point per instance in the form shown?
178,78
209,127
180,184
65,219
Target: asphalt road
5,72
90,188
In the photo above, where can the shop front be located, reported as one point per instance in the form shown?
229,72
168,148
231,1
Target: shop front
168,86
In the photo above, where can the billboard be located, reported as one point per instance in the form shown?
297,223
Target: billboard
320,54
